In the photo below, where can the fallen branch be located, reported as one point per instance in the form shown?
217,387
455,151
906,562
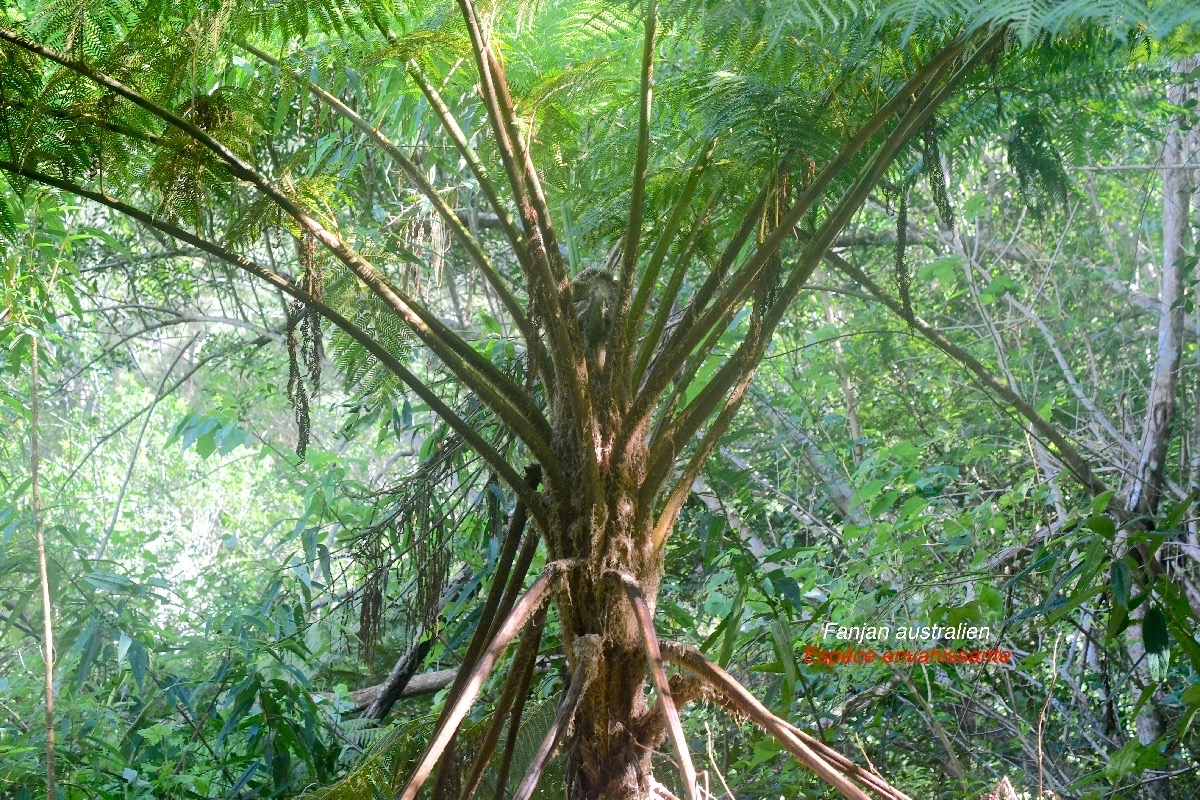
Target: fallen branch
425,683
410,660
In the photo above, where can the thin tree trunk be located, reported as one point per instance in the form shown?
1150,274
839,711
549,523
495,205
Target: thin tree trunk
848,393
43,574
1146,490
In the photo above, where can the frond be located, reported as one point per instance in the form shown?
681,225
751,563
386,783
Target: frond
1038,20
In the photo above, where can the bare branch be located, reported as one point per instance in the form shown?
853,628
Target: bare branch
137,449
422,683
1063,449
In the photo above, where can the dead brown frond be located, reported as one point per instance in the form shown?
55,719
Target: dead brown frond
831,766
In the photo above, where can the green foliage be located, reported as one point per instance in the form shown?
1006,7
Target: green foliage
869,480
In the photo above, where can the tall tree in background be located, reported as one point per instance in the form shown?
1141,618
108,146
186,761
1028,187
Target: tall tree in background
642,218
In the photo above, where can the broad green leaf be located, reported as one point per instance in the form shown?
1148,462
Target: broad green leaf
1121,581
1157,643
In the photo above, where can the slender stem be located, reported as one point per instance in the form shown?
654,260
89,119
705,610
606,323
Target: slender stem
1063,449
923,106
516,688
645,289
518,709
708,444
683,380
547,280
738,371
43,573
491,614
125,423
666,301
522,178
528,171
658,376
137,447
